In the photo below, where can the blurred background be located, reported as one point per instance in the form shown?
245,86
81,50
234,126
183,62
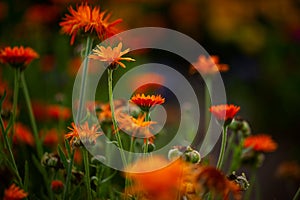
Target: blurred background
259,40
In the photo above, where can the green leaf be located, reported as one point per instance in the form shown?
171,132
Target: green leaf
68,147
62,157
26,176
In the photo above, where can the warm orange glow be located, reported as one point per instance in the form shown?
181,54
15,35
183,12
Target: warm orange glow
261,143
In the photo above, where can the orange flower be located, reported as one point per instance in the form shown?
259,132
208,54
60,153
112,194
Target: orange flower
224,112
260,143
14,193
113,56
83,134
23,135
57,112
136,127
151,181
17,56
146,102
208,65
57,186
51,138
88,19
210,179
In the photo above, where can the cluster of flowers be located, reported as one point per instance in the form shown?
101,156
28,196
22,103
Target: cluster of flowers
185,176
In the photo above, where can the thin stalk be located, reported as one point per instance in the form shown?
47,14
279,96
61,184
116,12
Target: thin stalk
229,146
15,99
147,118
223,147
251,182
297,195
89,44
69,175
207,101
86,163
11,155
112,108
31,116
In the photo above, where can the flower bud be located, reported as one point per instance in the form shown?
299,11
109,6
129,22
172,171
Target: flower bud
240,180
51,160
174,154
57,186
192,156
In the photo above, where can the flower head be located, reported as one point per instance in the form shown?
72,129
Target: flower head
51,137
210,179
224,112
14,193
87,19
113,56
260,143
23,135
136,127
208,65
82,134
153,182
146,102
57,186
17,56
58,112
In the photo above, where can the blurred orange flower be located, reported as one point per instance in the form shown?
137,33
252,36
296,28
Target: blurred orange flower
146,102
210,179
151,181
260,143
23,135
83,134
40,13
17,56
14,193
208,65
51,138
224,112
57,186
113,56
57,112
88,19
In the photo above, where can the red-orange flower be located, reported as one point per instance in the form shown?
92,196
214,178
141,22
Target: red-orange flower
210,179
57,186
57,112
17,56
136,127
156,178
88,19
51,138
23,135
83,134
260,143
14,193
224,112
208,65
113,56
146,102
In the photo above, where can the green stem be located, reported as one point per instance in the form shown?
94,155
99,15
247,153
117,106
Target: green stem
229,146
69,175
147,118
86,163
297,195
223,147
31,116
89,44
207,101
15,100
11,155
251,182
112,108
